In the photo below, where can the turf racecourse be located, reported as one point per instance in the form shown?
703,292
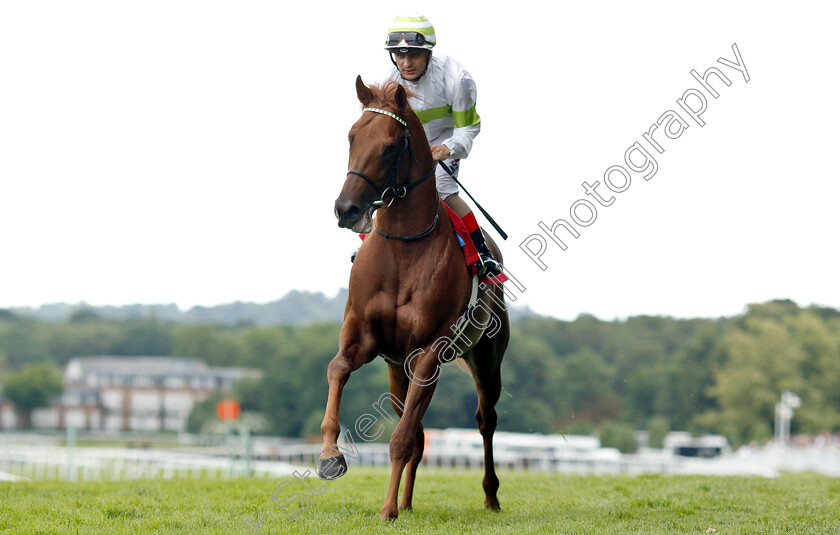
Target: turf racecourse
445,502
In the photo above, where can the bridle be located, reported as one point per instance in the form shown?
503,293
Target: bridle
401,191
391,185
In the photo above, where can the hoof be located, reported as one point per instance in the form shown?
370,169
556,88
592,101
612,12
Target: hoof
388,514
332,467
493,505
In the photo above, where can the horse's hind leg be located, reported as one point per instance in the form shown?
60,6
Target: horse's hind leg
489,386
485,363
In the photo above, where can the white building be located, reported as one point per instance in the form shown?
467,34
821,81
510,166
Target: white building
511,447
134,393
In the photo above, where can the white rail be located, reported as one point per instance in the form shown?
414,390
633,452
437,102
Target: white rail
47,460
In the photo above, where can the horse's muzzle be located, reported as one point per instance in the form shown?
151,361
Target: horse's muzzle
352,216
346,212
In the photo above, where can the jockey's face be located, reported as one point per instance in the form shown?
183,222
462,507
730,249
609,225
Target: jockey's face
412,64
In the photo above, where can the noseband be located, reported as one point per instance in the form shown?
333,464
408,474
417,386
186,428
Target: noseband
390,186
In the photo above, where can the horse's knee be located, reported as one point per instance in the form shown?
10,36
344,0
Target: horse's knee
402,446
338,370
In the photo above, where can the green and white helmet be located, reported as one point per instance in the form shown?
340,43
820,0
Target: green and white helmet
410,31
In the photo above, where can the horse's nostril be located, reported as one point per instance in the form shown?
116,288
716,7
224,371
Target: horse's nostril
346,212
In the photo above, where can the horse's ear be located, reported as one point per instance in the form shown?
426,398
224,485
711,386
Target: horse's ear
400,98
362,91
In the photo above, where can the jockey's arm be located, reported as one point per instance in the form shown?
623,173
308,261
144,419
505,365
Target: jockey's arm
466,122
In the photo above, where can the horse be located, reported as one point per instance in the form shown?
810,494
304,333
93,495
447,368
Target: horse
408,289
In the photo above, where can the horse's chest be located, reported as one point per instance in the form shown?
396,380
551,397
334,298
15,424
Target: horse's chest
411,315
409,323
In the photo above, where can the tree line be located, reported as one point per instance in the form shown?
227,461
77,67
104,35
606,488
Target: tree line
721,375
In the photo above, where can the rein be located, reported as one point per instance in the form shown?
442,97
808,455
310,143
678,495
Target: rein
397,191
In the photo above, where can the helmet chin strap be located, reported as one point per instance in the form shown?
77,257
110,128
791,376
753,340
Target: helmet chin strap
428,61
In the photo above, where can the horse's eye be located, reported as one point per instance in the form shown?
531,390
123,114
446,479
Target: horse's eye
390,149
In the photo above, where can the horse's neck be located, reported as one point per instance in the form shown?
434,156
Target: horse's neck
412,211
415,212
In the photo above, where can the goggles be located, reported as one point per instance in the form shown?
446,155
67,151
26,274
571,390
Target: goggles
410,38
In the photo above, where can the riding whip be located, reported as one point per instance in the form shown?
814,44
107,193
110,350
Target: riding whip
483,211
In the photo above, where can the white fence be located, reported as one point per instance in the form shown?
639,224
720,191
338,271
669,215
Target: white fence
44,458
378,455
46,462
825,461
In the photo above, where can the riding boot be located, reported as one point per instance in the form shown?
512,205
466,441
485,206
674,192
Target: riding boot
489,266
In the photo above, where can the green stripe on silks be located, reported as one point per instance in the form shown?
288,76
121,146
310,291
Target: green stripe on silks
466,118
431,114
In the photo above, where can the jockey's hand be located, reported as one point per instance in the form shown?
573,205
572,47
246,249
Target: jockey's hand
440,152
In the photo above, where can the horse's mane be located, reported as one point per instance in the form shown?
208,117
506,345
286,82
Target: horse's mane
383,94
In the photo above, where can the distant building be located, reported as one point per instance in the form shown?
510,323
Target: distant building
132,393
707,446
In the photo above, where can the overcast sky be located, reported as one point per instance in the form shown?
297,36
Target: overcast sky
190,152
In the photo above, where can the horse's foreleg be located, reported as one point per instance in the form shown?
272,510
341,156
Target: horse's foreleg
404,446
355,349
398,383
411,468
331,464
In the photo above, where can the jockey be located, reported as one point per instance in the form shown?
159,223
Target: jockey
445,104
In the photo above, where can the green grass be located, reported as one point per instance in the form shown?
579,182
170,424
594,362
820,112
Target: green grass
445,502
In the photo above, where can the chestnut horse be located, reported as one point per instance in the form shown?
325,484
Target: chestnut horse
408,289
